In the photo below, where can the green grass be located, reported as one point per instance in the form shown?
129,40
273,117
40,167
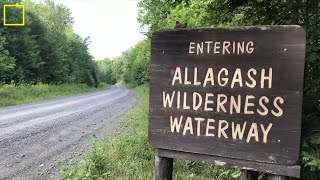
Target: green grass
126,154
24,93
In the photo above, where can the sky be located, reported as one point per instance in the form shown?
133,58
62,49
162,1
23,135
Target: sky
111,24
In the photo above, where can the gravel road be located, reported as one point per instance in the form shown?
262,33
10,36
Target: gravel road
37,139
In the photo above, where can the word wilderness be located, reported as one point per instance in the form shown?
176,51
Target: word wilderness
233,92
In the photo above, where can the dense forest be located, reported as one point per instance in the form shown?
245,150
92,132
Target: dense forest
133,66
46,49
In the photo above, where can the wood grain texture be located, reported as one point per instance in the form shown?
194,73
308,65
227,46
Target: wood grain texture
163,168
281,170
276,177
279,47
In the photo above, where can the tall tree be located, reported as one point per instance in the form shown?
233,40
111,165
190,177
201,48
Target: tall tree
46,49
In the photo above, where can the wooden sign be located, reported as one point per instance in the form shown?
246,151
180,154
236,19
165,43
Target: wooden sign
228,92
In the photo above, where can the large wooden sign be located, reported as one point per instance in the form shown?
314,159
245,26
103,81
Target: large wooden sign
228,92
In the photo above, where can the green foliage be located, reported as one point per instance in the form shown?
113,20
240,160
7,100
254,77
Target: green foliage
6,62
132,67
126,154
46,49
11,94
136,63
105,71
118,69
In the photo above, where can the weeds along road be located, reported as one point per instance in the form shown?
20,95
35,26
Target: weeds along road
37,139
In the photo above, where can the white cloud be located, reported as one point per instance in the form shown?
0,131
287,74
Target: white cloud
111,24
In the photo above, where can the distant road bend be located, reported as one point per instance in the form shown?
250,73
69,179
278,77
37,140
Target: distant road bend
37,139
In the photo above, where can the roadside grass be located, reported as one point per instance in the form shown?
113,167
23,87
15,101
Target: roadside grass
11,94
126,154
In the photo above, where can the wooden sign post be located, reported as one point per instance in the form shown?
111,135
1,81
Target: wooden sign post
227,96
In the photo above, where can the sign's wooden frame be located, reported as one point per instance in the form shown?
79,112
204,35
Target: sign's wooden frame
164,164
164,159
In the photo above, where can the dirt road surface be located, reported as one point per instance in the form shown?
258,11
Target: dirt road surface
37,139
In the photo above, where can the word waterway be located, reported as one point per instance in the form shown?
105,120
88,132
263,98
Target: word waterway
220,128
